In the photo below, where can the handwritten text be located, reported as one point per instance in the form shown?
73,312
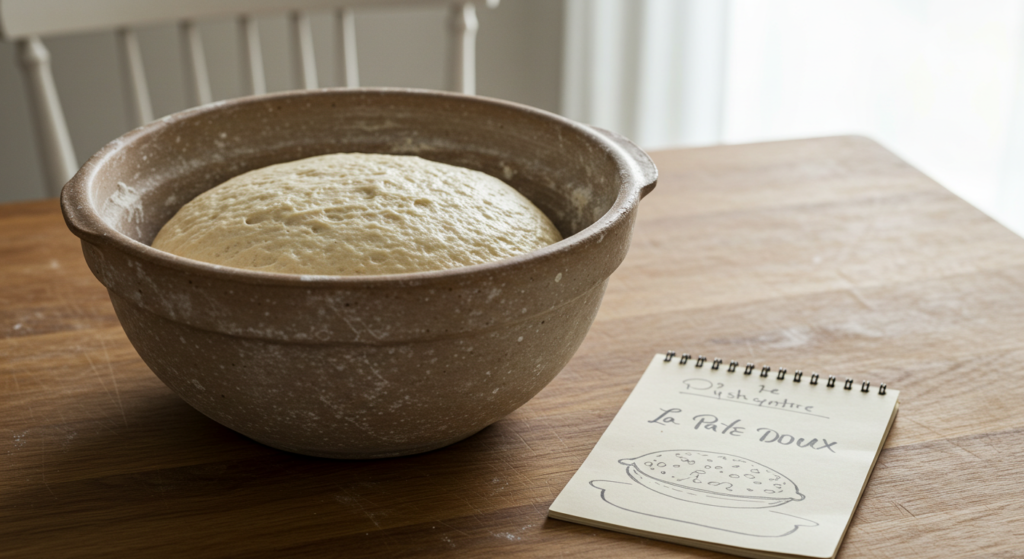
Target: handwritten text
733,428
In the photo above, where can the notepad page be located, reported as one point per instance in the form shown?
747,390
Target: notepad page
735,462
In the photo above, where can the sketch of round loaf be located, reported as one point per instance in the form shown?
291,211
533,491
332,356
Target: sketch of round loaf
712,478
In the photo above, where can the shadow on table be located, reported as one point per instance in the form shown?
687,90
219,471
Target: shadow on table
162,470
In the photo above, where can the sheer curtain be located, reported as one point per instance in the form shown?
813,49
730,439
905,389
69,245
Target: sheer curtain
652,70
939,82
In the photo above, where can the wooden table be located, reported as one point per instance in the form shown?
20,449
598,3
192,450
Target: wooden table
828,254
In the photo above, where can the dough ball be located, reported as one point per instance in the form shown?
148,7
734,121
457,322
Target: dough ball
357,214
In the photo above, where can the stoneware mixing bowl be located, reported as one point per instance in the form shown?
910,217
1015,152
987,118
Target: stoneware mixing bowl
370,366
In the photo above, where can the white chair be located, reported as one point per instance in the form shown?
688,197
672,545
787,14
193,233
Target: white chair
27,21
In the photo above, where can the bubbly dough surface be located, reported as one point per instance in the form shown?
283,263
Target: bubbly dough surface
357,214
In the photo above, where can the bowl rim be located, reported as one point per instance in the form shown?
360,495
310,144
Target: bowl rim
638,177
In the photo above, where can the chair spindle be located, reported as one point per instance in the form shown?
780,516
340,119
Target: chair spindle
253,77
194,59
346,58
59,162
463,26
133,76
305,60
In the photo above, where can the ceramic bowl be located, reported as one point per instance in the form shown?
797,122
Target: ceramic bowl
370,366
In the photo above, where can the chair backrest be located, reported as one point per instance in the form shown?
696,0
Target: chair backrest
27,21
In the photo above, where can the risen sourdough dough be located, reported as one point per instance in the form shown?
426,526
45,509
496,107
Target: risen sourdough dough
357,214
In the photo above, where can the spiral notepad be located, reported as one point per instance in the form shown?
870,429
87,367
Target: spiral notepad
737,458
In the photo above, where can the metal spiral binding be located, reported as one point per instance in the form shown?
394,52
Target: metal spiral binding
716,363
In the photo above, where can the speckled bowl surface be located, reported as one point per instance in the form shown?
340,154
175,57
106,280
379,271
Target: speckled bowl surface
370,366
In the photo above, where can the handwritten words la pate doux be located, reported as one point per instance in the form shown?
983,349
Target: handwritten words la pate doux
709,422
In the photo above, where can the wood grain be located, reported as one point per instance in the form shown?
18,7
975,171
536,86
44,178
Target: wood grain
829,255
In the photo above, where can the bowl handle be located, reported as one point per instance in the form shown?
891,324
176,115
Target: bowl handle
645,170
78,214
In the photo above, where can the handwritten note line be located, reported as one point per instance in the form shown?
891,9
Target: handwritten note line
753,404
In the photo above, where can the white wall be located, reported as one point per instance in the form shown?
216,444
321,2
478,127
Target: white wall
652,70
519,58
939,82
